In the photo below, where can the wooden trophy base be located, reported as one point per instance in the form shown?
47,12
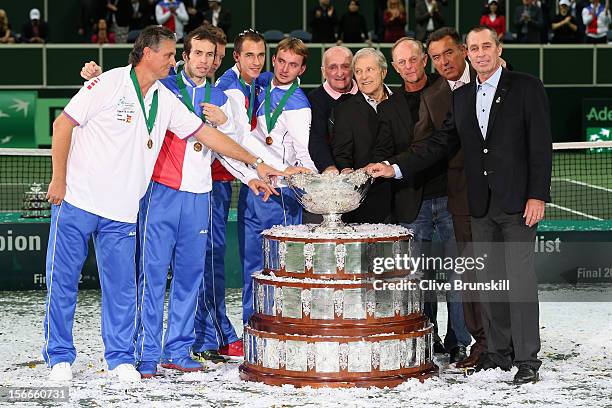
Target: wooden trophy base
421,373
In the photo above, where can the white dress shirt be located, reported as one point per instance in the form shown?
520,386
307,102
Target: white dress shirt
485,92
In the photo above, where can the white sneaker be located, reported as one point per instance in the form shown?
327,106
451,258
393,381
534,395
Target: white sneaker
61,372
125,373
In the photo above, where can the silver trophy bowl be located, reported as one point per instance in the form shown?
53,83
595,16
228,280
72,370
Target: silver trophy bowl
331,195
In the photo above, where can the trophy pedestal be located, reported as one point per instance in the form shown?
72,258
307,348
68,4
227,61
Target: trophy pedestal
322,317
346,381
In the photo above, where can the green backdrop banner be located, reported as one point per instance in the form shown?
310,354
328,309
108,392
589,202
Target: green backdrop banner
597,119
47,110
17,112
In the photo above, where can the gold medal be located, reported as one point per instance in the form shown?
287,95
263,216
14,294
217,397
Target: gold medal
269,140
150,144
197,147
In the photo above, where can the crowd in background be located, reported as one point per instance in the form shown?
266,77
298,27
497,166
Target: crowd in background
126,18
34,30
534,21
120,21
339,21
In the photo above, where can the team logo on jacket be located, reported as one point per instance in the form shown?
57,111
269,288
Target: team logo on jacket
125,110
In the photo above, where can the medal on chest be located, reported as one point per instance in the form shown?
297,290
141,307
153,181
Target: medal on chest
273,115
197,146
150,118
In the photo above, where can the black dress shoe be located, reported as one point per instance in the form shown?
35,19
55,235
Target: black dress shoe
439,348
457,353
486,363
526,374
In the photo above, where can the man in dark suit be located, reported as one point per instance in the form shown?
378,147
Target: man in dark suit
528,21
218,16
323,21
337,88
428,16
398,116
195,10
355,142
502,121
420,202
448,55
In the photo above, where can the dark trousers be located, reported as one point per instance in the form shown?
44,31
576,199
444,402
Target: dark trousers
510,318
472,312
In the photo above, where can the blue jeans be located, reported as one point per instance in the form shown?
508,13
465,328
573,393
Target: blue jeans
434,217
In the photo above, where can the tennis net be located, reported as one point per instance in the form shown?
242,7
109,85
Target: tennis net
20,170
581,185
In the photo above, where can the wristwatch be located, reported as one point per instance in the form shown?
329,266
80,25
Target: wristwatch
258,161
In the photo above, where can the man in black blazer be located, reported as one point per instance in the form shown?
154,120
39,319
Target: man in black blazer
428,16
337,88
398,115
195,10
218,16
528,22
420,201
448,55
355,141
502,122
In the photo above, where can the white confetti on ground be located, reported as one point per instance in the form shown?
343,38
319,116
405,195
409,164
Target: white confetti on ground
576,370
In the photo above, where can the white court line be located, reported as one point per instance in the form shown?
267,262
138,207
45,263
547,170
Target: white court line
581,183
574,211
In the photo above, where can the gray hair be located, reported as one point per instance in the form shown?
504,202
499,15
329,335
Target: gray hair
150,37
370,52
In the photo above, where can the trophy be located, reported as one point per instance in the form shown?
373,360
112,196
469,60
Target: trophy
324,314
35,204
331,195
